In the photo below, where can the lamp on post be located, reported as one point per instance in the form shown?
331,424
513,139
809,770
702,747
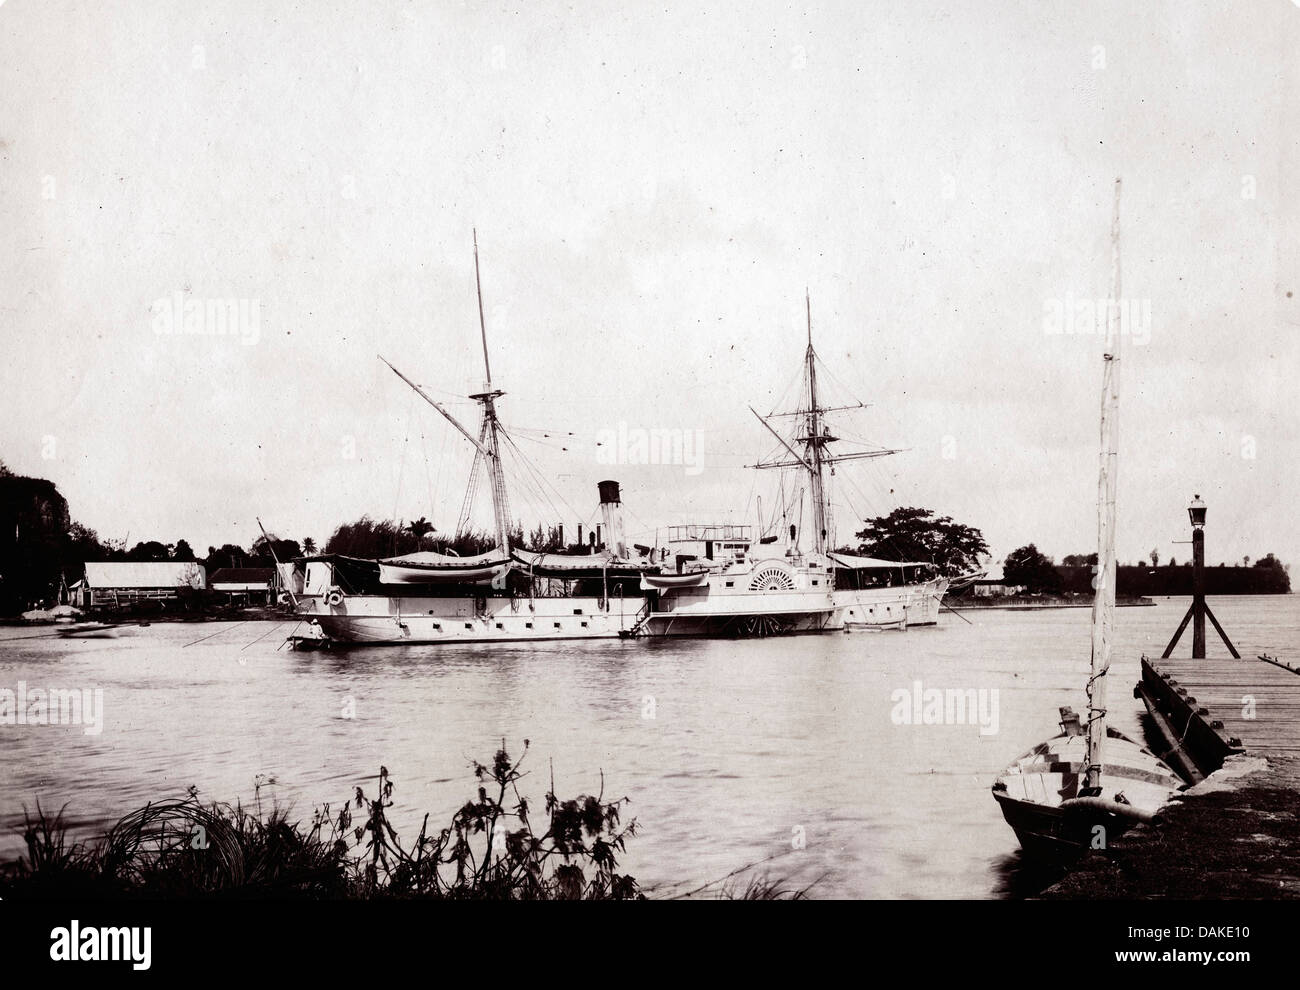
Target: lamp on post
1199,610
1196,513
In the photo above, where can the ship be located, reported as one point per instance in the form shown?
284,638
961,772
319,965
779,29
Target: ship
506,593
703,580
718,579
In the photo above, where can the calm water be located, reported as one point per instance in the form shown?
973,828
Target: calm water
751,743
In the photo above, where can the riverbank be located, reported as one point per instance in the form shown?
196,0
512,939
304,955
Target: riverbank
1026,603
126,616
1235,835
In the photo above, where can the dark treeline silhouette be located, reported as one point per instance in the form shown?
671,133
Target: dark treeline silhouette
1038,573
1265,577
42,545
370,539
36,538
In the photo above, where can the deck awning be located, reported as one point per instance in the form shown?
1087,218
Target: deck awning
855,563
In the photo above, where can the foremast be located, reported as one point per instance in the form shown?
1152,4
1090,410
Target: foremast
488,443
1103,603
492,454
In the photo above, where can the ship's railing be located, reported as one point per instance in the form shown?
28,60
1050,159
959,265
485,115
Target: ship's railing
717,532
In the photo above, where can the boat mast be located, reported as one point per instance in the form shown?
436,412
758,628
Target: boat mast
500,501
487,443
1103,604
814,441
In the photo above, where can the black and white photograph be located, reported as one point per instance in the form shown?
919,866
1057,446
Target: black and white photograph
472,451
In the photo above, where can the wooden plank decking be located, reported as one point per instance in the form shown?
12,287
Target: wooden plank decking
1214,708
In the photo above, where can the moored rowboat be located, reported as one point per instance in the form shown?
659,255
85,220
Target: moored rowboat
1040,798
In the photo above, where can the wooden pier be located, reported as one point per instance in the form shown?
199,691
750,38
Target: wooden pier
1209,710
1233,836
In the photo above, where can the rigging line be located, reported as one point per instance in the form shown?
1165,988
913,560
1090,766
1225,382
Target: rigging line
428,473
278,625
535,499
524,478
644,530
217,633
835,379
467,506
546,442
288,638
442,473
797,377
750,498
889,541
401,468
510,440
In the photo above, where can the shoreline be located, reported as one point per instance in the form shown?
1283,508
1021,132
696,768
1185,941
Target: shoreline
261,613
1025,604
1235,835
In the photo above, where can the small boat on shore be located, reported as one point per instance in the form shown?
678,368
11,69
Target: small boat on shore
1045,798
93,630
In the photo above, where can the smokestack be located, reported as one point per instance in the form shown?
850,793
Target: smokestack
611,511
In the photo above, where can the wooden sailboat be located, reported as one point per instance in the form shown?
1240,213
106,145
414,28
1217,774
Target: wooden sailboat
1083,787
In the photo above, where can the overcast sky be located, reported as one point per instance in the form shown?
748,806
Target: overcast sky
653,190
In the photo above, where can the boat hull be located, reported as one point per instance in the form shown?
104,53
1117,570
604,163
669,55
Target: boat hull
890,608
703,611
1054,834
1040,800
377,619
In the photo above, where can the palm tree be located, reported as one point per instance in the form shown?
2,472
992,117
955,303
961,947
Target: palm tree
309,546
420,528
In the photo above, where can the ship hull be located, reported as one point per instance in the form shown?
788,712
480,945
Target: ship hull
377,619
890,608
706,612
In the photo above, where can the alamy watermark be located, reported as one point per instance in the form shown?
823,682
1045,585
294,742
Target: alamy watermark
181,316
102,944
920,705
1091,317
55,706
636,445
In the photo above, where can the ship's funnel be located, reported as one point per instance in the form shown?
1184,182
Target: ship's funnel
611,511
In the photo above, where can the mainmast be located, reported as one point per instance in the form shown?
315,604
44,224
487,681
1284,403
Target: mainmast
814,440
1103,603
487,443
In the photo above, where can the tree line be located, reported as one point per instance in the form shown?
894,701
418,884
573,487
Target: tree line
1038,573
40,544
